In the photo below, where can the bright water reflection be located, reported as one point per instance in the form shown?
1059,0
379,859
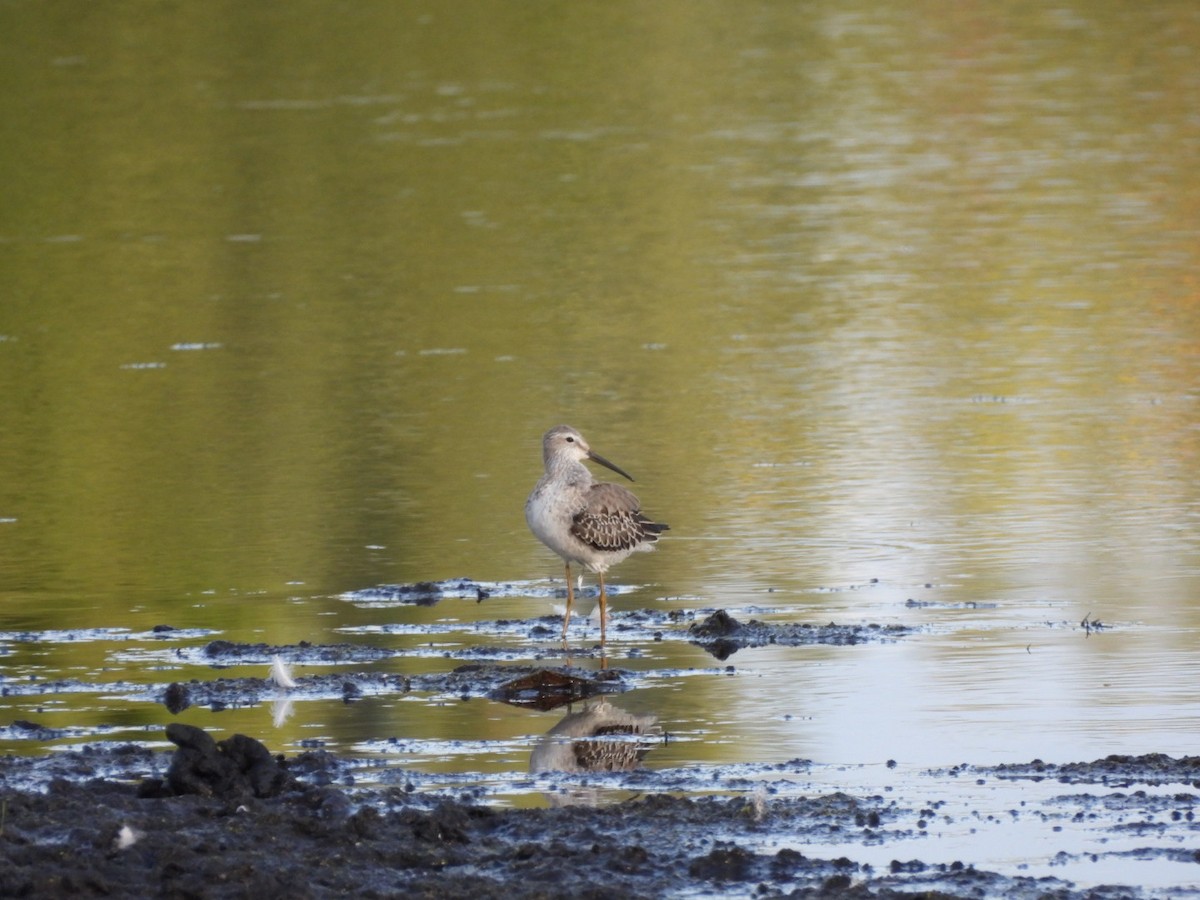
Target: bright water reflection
876,305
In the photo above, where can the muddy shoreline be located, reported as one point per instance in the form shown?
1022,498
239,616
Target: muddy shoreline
230,819
235,818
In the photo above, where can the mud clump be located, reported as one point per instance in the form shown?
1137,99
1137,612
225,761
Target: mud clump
723,864
236,768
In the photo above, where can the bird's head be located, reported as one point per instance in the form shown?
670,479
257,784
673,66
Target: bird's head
563,441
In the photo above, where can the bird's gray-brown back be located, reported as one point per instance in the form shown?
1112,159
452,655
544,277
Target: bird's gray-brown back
612,520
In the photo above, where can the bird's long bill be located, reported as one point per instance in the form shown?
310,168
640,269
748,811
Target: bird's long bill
596,457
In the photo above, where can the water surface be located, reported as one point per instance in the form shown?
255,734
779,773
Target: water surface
878,306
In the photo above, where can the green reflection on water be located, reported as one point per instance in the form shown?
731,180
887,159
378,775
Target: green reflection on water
291,293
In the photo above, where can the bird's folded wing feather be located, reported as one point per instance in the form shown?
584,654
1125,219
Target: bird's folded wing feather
613,520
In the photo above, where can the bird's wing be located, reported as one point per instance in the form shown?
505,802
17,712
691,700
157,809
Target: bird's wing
612,520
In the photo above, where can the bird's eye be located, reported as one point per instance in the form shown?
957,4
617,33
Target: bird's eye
570,440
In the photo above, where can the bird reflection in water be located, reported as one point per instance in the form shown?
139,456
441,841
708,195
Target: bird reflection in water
598,738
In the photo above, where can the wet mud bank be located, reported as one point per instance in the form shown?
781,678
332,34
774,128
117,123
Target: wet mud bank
231,819
234,818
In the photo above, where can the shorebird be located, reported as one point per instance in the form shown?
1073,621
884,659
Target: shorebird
592,524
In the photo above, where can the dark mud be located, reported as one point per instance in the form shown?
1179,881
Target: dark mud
479,675
522,685
719,633
230,819
722,635
429,593
1151,769
233,819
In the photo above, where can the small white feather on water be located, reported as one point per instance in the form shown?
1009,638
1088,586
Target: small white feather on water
281,674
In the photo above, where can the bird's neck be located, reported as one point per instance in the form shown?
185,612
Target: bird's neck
570,470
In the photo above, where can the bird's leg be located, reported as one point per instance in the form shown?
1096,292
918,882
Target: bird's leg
570,597
603,608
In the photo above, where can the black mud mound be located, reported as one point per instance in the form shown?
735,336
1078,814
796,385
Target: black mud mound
238,768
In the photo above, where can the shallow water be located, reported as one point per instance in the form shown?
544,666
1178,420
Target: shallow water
877,308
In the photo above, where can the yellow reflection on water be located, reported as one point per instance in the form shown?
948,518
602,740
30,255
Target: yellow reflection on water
290,298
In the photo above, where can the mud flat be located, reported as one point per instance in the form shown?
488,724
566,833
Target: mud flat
230,819
235,819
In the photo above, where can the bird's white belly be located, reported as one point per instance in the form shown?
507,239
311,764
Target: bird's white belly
551,523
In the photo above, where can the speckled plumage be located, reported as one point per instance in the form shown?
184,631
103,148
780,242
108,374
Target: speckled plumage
612,522
593,524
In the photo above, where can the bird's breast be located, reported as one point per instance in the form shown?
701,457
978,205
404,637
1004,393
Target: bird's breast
549,515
